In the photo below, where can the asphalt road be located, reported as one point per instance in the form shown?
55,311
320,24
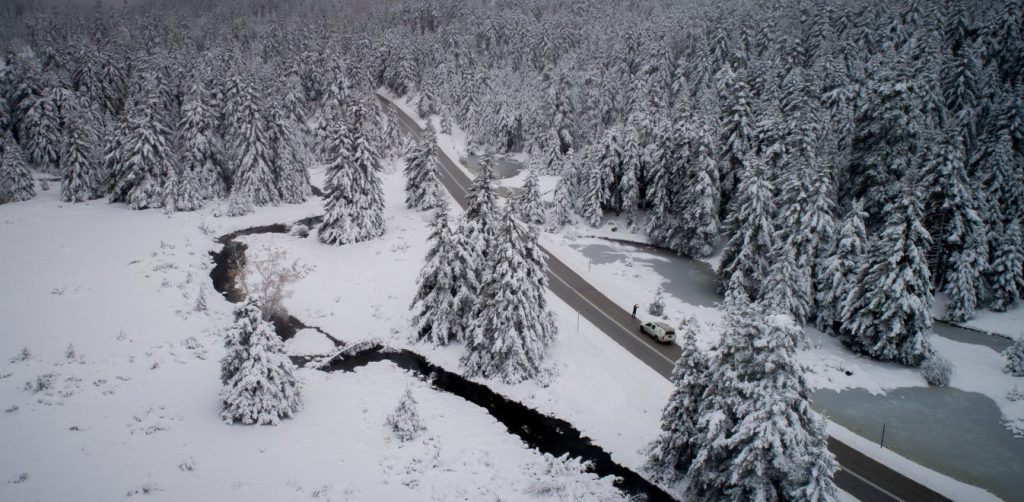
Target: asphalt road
858,475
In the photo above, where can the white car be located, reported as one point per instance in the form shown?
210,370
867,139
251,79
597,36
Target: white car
660,331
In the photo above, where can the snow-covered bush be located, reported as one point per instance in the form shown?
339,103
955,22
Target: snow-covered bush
1015,358
299,231
23,355
564,478
657,307
404,422
937,370
1015,394
41,383
200,305
69,352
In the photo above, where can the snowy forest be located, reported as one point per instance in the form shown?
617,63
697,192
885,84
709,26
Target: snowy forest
846,161
853,157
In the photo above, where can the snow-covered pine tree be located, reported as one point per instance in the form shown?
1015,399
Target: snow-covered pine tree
757,399
839,270
513,327
1004,270
785,289
1014,355
291,175
202,149
142,161
185,191
79,170
750,228
355,197
436,318
669,456
421,172
562,208
632,170
41,132
528,204
260,386
964,273
608,164
887,132
887,314
698,226
404,422
736,136
16,183
253,151
481,211
590,187
240,203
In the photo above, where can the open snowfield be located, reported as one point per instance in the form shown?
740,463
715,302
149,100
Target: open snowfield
135,410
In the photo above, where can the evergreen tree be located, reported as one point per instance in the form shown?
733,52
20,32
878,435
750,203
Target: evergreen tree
632,170
142,162
79,173
436,304
698,225
259,382
528,204
888,129
355,198
1014,355
839,270
478,220
253,151
963,282
1004,271
671,453
513,327
290,161
751,230
422,173
785,289
41,129
887,314
16,183
184,191
404,422
737,135
758,437
563,203
202,149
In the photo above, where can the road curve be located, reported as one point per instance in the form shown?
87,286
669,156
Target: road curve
858,474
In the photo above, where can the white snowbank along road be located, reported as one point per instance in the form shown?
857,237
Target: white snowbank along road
812,193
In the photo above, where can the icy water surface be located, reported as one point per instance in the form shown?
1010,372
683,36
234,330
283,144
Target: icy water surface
503,168
954,432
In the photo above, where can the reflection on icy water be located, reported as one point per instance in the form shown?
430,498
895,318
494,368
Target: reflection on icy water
954,432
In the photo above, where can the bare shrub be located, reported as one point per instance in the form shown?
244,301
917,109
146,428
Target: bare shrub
269,279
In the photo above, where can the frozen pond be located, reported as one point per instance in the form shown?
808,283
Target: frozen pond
689,280
503,168
954,432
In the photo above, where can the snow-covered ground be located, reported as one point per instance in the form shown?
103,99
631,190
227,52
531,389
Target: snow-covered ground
134,411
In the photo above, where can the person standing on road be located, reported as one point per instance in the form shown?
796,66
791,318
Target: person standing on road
635,306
